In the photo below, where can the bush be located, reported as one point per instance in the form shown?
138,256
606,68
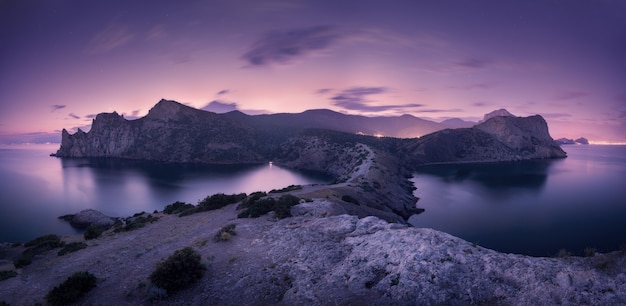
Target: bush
93,232
258,207
225,233
178,271
287,189
349,199
218,201
6,274
135,222
177,208
72,289
72,247
37,246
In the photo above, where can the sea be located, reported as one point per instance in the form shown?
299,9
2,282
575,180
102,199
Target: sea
573,205
35,188
537,208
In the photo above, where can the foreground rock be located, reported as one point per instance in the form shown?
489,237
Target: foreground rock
88,217
312,260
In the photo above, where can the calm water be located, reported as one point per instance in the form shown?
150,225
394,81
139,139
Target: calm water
534,208
35,188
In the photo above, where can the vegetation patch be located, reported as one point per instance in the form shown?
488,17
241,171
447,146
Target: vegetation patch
6,274
214,202
93,232
72,247
257,206
72,289
135,222
37,246
225,233
349,199
178,271
177,208
287,189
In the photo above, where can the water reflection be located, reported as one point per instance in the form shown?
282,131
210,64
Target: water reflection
535,207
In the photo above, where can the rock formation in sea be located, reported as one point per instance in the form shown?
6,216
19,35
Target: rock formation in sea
582,140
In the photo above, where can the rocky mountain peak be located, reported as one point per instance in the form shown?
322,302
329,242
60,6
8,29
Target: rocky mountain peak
497,113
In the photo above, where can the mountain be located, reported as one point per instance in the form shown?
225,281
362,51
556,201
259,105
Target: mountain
497,113
315,140
456,123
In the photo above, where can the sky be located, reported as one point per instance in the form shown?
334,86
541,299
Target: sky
63,62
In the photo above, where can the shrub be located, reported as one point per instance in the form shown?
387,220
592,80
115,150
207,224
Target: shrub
287,189
177,208
72,247
590,252
136,222
6,274
225,233
72,289
37,246
218,201
52,241
284,204
349,199
178,271
93,232
253,197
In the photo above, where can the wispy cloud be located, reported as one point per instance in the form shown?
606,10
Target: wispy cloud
569,95
355,98
282,47
91,116
56,107
223,92
451,110
74,116
112,37
474,63
323,91
556,115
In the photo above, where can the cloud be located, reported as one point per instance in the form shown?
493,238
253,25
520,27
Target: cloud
74,116
56,107
223,92
282,47
480,104
323,91
569,95
356,99
474,63
555,115
452,110
220,107
91,116
133,115
110,38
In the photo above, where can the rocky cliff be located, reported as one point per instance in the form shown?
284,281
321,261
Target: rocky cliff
499,138
171,132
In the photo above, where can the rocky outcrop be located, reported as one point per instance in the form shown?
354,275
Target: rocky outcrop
497,113
582,140
500,138
171,132
88,217
312,260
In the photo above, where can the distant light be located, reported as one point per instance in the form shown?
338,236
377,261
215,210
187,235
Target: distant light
379,135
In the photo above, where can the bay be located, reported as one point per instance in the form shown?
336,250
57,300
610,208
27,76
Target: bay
535,207
35,188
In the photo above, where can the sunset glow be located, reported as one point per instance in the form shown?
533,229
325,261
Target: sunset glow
63,62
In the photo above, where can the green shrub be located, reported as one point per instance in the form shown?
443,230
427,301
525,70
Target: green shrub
6,274
72,289
349,199
93,232
253,197
72,247
178,271
284,204
177,208
225,233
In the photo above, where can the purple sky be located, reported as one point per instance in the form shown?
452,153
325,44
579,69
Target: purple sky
62,62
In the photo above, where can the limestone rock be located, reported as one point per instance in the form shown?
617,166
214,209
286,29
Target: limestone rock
88,217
